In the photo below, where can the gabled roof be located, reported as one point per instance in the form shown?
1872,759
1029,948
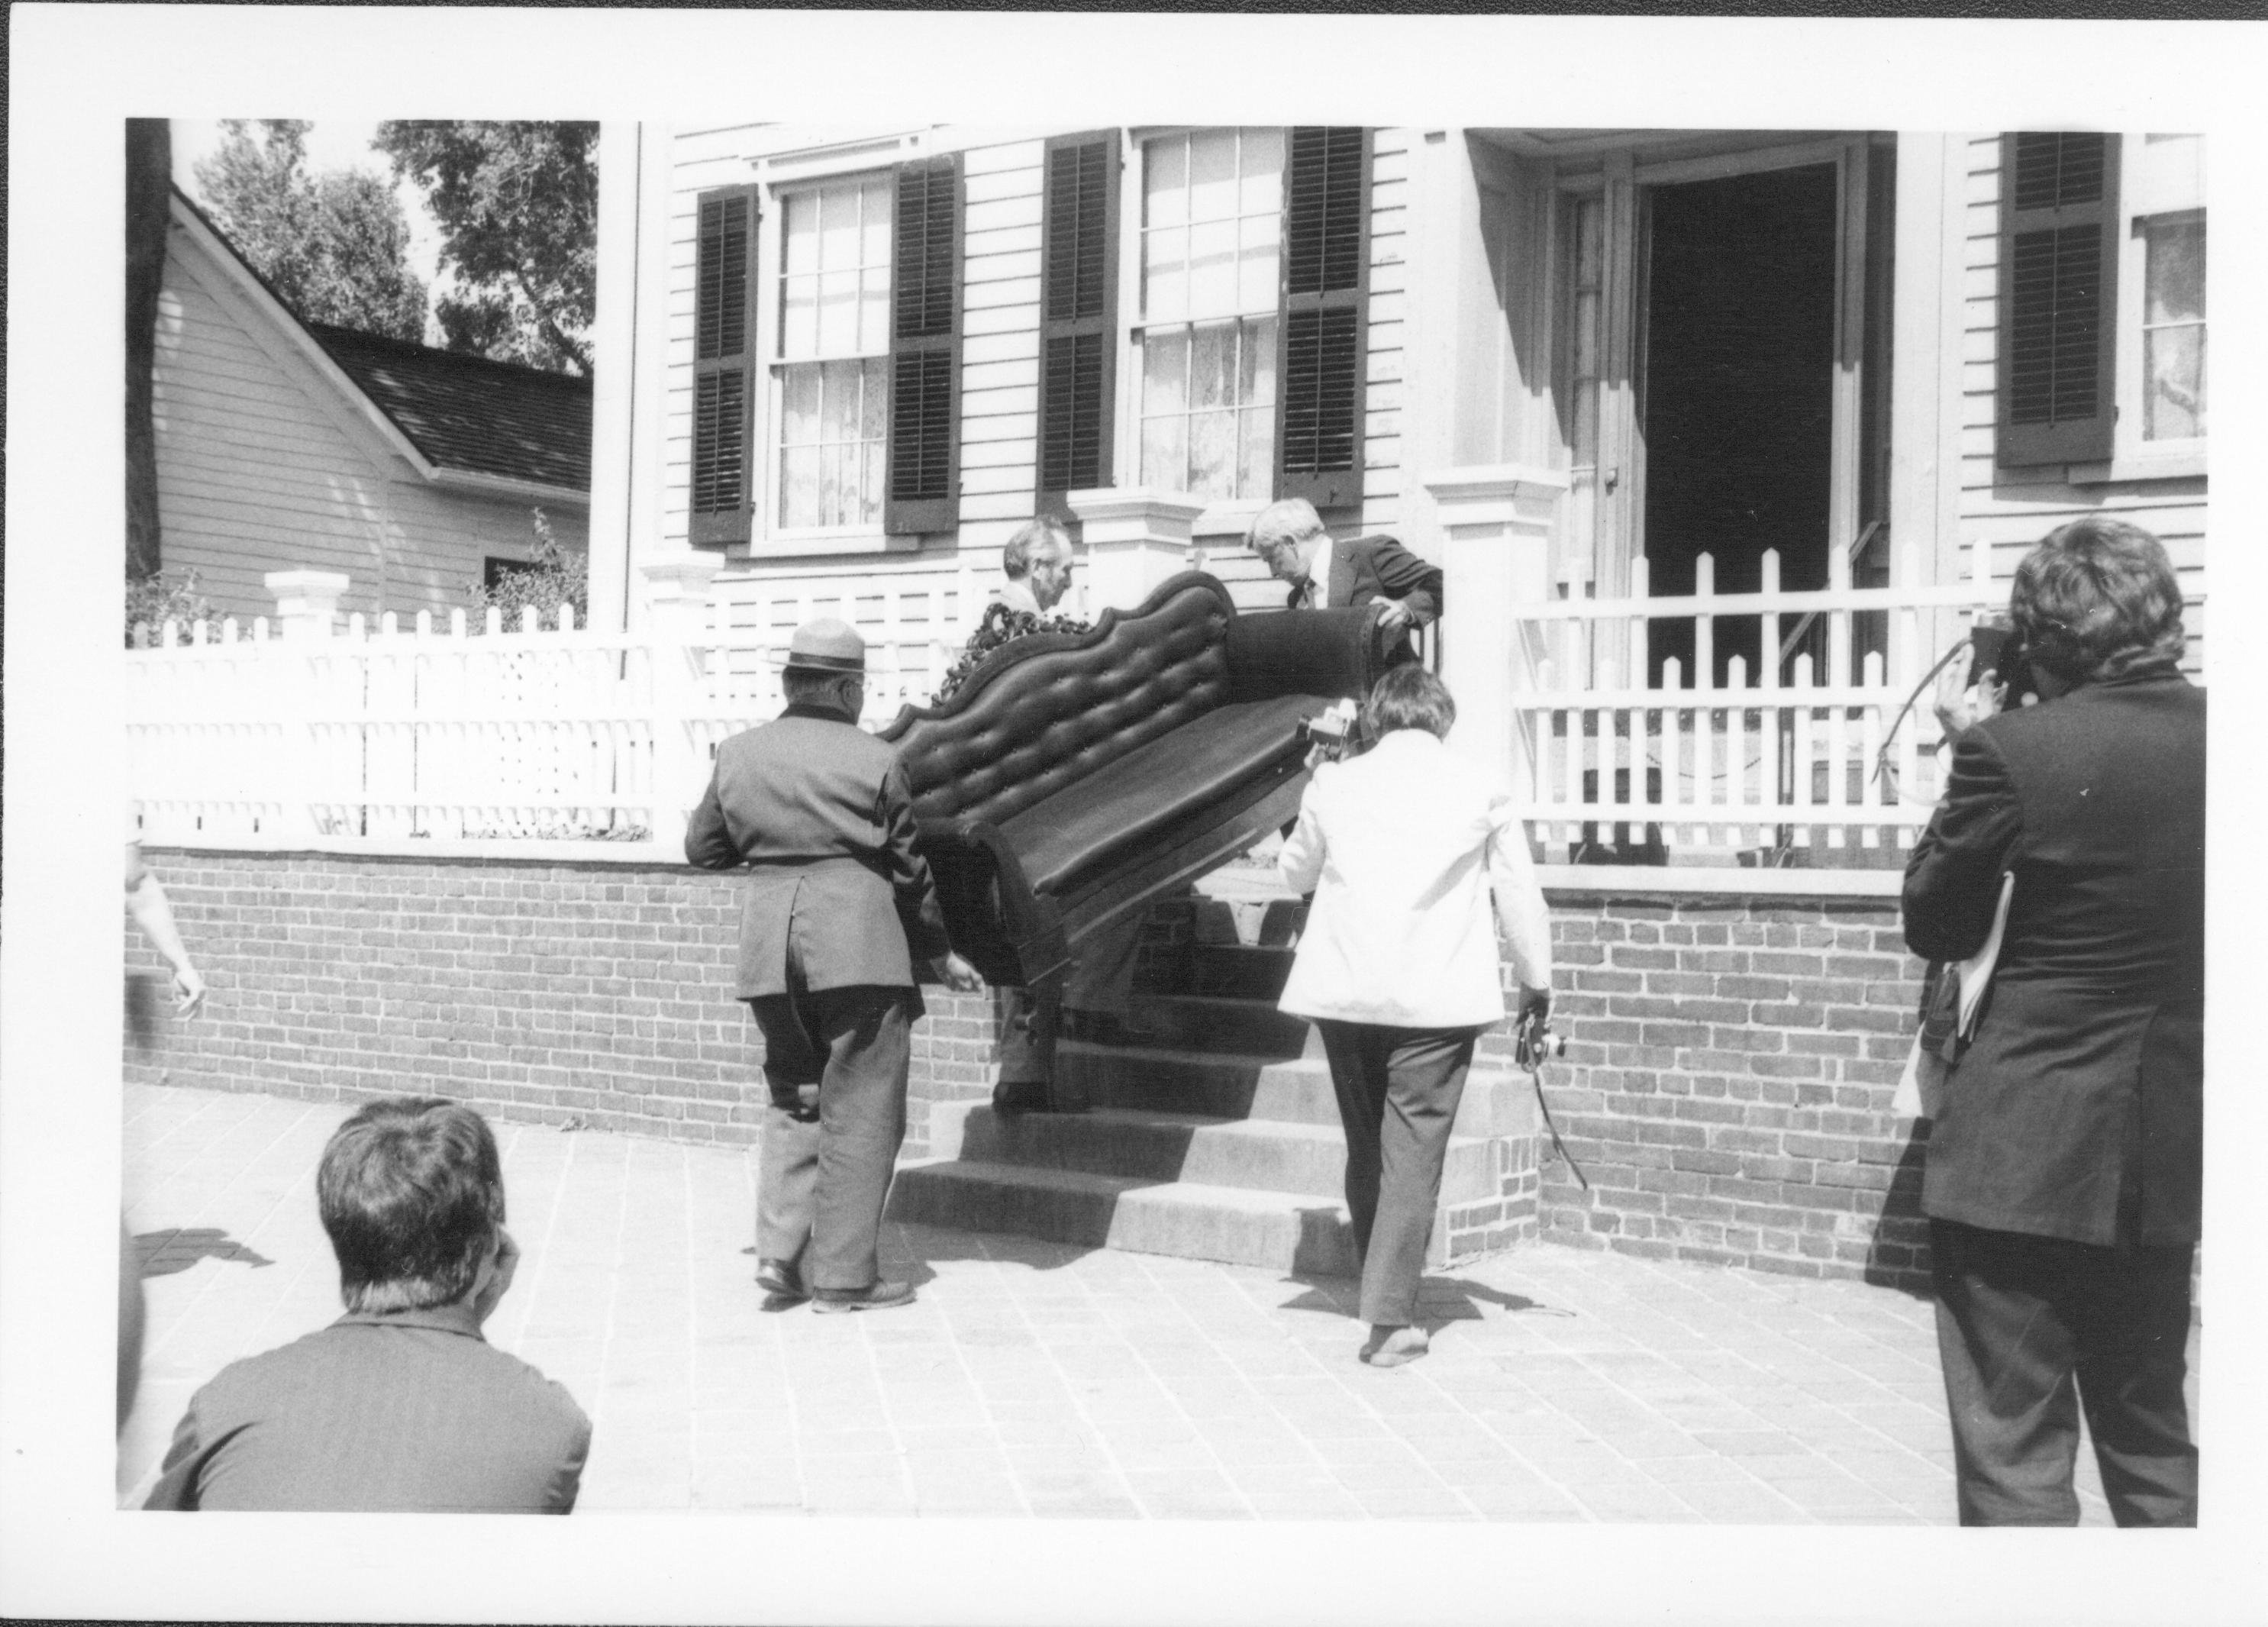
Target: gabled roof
469,413
460,421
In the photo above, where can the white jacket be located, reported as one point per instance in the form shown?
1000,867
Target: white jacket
1402,847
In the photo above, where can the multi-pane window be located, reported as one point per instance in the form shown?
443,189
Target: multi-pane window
2170,223
831,382
1213,211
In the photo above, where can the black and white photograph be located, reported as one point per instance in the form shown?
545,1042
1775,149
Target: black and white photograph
1062,837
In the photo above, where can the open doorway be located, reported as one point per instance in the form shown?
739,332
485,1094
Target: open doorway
1736,392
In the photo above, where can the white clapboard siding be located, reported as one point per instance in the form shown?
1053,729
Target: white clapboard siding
263,467
2006,511
1390,197
253,475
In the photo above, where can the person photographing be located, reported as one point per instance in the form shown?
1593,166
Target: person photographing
2065,1162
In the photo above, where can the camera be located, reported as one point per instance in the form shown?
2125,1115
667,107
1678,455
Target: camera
1534,1041
1997,647
1336,734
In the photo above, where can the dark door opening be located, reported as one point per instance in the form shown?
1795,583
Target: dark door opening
1737,399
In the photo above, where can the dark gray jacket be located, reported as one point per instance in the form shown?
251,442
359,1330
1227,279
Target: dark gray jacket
820,811
2077,1111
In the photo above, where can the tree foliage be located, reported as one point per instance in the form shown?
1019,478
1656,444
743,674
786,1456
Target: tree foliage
555,578
518,205
154,599
335,247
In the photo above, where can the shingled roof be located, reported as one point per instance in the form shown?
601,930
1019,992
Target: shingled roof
465,412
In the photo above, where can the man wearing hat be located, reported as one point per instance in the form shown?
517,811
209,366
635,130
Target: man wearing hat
840,913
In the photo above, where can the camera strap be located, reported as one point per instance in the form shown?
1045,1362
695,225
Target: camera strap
1891,734
1528,1049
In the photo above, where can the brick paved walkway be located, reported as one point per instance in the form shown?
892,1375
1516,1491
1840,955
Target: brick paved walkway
1040,1380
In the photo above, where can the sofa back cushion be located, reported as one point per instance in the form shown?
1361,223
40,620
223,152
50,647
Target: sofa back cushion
1051,709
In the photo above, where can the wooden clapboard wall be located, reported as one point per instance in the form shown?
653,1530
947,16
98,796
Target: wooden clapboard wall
2006,507
261,467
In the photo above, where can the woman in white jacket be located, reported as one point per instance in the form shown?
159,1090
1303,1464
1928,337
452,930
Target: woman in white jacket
1402,848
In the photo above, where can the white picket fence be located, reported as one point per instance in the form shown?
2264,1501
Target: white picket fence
1810,746
542,734
450,732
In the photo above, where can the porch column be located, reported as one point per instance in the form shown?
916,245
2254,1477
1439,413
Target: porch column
306,602
1135,537
1496,529
677,621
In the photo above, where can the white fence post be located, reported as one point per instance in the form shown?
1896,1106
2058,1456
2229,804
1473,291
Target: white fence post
306,606
677,601
1497,525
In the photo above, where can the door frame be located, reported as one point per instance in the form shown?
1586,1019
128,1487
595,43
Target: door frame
1625,185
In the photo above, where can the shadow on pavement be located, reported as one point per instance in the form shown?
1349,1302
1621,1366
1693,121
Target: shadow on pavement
177,1248
1897,1255
1439,1298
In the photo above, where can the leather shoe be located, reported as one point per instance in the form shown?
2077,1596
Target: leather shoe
881,1294
1395,1347
780,1280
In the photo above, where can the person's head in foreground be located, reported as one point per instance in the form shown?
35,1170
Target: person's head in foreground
2093,600
401,1405
1408,697
411,1192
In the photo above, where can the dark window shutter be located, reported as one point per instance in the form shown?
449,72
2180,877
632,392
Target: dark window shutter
723,340
922,493
1079,306
1319,373
2059,296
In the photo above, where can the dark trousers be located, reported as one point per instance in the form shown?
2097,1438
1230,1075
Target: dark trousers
1102,980
1398,1090
835,1062
2031,1329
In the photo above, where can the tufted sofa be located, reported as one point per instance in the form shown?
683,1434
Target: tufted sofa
1076,775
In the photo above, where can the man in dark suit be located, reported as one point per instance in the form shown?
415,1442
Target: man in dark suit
840,912
2064,1168
1329,575
400,1405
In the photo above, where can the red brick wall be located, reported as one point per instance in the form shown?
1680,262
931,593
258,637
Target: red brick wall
558,994
1727,1083
1727,1087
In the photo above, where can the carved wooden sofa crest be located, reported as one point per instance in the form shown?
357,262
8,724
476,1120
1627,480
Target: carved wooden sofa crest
1074,776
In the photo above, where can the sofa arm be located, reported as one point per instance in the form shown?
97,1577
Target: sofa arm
1322,652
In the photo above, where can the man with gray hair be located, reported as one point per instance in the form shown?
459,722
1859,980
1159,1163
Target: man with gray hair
400,1405
1036,563
1329,575
841,913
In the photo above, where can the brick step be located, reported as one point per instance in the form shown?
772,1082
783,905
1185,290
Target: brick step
1285,1230
1238,1027
1249,1154
1237,971
1296,1090
1268,916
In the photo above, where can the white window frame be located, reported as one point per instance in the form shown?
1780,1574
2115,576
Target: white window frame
779,174
767,534
2133,457
1222,516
